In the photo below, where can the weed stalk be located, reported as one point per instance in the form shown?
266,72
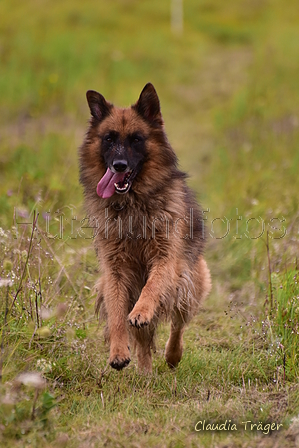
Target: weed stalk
34,222
270,273
3,334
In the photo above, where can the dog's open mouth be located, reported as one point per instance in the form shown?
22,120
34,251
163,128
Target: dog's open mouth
124,185
114,183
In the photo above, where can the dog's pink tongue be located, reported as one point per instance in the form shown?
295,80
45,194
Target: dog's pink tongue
105,187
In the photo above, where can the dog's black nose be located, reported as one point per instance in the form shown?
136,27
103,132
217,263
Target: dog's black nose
120,165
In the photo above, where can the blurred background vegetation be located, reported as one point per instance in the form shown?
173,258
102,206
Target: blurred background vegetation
228,86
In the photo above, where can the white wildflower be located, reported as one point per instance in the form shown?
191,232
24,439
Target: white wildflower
5,282
31,379
46,313
2,233
44,366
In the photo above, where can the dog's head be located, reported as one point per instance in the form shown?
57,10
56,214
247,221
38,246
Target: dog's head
129,142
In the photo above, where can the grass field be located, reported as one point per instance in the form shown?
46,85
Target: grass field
229,91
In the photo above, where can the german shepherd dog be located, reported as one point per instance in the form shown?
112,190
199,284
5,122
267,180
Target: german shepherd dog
149,230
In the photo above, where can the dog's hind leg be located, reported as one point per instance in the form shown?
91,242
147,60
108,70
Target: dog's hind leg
194,289
202,282
174,345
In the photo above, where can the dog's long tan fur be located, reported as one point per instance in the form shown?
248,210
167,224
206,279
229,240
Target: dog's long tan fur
149,240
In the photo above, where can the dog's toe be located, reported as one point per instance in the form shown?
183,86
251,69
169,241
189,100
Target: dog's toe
138,321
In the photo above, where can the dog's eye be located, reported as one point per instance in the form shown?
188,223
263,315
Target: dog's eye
136,138
111,137
108,139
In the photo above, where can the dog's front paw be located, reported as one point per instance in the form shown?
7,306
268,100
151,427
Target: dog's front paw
118,361
139,319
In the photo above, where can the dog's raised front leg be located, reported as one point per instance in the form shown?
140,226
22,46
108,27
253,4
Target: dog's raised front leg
159,283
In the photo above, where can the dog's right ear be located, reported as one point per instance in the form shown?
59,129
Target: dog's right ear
148,106
98,106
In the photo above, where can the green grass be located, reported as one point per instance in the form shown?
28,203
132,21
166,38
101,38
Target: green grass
228,88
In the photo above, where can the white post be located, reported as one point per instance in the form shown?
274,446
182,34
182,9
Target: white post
177,16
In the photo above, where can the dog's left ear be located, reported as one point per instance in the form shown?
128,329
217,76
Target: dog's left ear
148,105
98,106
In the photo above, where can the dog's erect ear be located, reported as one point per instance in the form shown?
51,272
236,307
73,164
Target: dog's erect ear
99,107
148,105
